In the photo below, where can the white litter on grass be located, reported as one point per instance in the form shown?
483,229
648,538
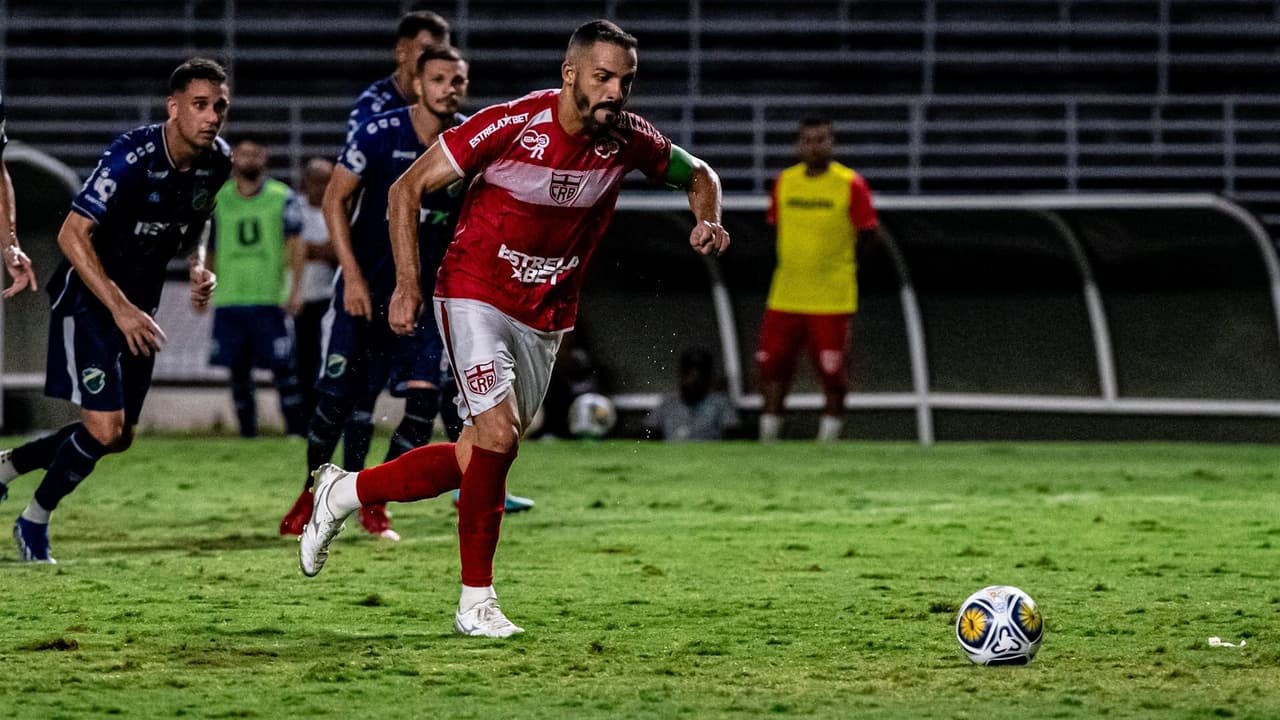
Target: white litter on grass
1218,642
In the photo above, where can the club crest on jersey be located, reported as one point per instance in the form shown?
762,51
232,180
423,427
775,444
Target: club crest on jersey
606,147
535,142
481,378
94,380
564,187
200,199
335,365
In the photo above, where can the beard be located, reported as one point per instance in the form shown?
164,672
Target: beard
250,173
608,112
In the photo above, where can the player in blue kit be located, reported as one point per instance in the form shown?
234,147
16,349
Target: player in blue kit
415,32
148,200
363,355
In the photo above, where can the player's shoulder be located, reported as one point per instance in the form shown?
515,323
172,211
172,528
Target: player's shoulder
384,122
133,149
277,188
842,171
376,93
793,171
226,193
630,124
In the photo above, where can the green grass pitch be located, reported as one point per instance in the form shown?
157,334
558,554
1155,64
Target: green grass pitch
659,581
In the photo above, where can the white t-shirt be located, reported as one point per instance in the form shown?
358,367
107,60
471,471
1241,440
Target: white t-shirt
317,276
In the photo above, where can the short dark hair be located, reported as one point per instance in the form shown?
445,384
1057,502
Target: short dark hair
596,31
815,120
415,22
438,52
196,69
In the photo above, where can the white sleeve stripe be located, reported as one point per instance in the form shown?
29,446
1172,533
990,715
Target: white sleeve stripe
444,146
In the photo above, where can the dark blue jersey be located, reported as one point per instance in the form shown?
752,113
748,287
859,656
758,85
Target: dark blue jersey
379,153
382,96
145,212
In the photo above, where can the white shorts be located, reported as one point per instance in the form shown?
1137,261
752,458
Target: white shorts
493,355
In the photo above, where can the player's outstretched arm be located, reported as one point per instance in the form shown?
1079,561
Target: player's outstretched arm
338,196
686,172
15,261
141,332
430,172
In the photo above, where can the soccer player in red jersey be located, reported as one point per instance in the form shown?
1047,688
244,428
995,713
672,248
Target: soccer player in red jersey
543,175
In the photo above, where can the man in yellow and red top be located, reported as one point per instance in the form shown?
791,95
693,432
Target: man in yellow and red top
823,213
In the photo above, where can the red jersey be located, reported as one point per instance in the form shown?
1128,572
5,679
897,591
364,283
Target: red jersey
538,202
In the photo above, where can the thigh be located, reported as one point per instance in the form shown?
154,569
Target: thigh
829,337
83,362
342,369
272,346
493,356
136,371
781,337
417,357
232,335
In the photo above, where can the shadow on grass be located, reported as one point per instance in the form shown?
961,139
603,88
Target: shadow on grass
199,545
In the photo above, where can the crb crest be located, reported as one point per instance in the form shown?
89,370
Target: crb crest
564,187
481,378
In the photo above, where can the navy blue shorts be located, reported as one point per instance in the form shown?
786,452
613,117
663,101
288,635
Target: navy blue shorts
89,363
365,355
250,334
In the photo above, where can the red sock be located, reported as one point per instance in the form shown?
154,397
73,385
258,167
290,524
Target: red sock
484,494
421,473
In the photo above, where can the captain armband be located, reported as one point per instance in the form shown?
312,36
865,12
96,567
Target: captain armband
680,169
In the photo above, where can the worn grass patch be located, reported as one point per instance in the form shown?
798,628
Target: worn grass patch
725,580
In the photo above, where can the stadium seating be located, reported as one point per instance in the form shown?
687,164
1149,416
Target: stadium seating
972,95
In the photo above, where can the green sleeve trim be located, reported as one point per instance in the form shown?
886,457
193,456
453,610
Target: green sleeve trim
680,168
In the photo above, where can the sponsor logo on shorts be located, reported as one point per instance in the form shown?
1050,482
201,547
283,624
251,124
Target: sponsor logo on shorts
535,269
335,365
481,378
94,380
564,187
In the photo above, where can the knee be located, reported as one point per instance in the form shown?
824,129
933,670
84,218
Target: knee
500,437
124,442
111,433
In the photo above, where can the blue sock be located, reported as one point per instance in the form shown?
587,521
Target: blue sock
415,428
324,431
73,462
356,438
39,452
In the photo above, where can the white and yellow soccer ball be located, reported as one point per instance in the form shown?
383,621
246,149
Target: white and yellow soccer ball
1000,625
591,415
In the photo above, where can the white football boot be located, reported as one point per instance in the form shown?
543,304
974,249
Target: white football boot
326,520
485,619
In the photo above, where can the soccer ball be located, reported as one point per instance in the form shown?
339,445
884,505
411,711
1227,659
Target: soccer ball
591,415
1000,625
